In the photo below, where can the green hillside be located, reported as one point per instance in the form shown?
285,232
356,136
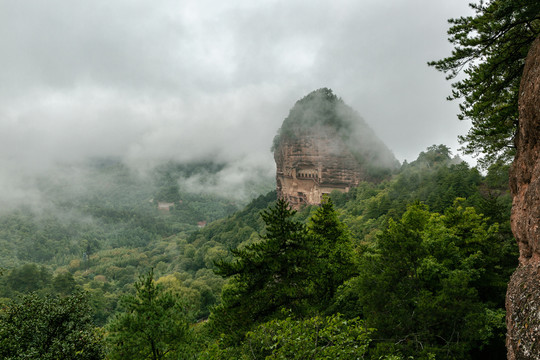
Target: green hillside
437,227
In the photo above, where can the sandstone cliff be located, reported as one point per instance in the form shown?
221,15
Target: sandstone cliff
523,295
324,145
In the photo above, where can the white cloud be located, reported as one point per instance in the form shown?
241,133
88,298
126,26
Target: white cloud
150,80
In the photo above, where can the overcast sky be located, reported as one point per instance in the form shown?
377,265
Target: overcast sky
191,79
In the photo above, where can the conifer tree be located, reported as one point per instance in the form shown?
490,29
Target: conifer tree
266,277
490,49
333,253
152,326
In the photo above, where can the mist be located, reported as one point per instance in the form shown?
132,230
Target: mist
147,83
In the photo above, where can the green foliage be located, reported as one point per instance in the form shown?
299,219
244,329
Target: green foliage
332,337
107,206
404,270
434,283
237,229
434,178
314,338
29,277
98,230
49,329
421,272
153,324
490,48
199,293
266,276
29,237
333,260
497,177
64,283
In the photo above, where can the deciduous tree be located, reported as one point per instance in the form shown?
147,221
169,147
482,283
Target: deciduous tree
49,328
433,284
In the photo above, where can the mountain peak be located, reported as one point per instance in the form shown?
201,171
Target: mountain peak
324,145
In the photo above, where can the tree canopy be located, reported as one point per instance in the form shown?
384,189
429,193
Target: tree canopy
48,328
490,50
434,284
332,252
153,326
266,276
372,273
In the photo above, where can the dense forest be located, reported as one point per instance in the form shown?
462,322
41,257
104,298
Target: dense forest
103,262
415,265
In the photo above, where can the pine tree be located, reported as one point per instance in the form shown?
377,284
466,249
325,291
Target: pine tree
333,253
152,326
266,277
490,49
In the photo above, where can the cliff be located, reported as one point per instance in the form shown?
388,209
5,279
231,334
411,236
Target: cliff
523,295
324,145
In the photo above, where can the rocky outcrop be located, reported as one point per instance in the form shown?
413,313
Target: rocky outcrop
523,295
314,164
323,145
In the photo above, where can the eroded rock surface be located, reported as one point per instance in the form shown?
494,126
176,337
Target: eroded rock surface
523,295
313,164
324,145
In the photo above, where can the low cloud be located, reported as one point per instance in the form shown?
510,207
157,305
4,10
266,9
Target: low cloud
148,82
241,180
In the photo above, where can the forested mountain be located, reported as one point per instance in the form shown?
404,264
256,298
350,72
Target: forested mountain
99,225
126,259
416,265
324,145
107,205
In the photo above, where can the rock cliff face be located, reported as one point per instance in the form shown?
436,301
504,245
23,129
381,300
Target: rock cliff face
323,145
523,295
312,165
